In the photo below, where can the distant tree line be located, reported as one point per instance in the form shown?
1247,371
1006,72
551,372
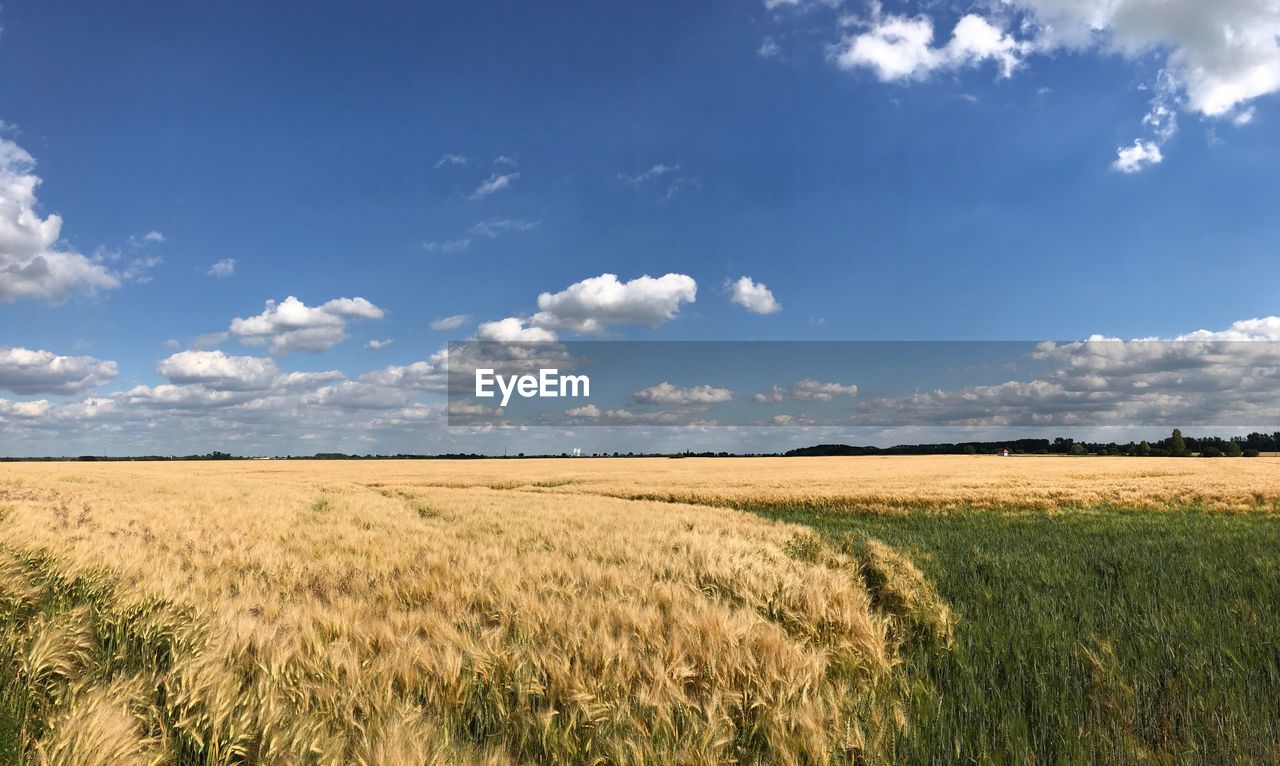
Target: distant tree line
1175,445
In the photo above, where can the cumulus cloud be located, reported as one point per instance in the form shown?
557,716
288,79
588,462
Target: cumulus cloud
513,330
389,388
1224,377
694,396
586,411
768,48
291,325
901,47
26,371
450,322
1136,158
495,183
229,401
596,303
223,268
1217,57
753,296
376,344
1223,54
218,371
807,391
32,264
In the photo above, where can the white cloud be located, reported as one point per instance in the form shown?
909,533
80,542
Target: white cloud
694,396
513,330
595,304
218,371
26,371
768,48
901,47
426,375
291,325
1217,56
656,171
139,269
495,183
807,391
388,388
32,265
503,159
1225,377
1140,156
152,237
223,268
451,159
1223,53
448,246
1259,329
585,411
679,185
450,322
496,227
377,345
775,4
753,296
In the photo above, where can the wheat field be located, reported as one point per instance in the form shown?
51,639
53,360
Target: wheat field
551,611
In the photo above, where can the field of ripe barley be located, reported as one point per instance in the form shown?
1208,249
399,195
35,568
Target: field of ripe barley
821,610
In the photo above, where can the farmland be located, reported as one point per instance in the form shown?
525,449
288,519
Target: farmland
764,610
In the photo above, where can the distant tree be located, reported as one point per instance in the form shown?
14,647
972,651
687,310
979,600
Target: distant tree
1079,449
1211,451
1232,449
1144,449
1177,447
1251,452
969,449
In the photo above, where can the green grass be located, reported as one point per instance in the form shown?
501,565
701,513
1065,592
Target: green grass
1104,636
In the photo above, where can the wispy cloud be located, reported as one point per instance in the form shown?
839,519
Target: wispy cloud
223,268
496,227
493,185
447,246
451,159
657,171
450,322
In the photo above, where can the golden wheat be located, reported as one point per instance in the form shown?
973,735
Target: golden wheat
880,483
301,613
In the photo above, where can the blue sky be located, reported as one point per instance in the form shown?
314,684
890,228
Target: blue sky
963,186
